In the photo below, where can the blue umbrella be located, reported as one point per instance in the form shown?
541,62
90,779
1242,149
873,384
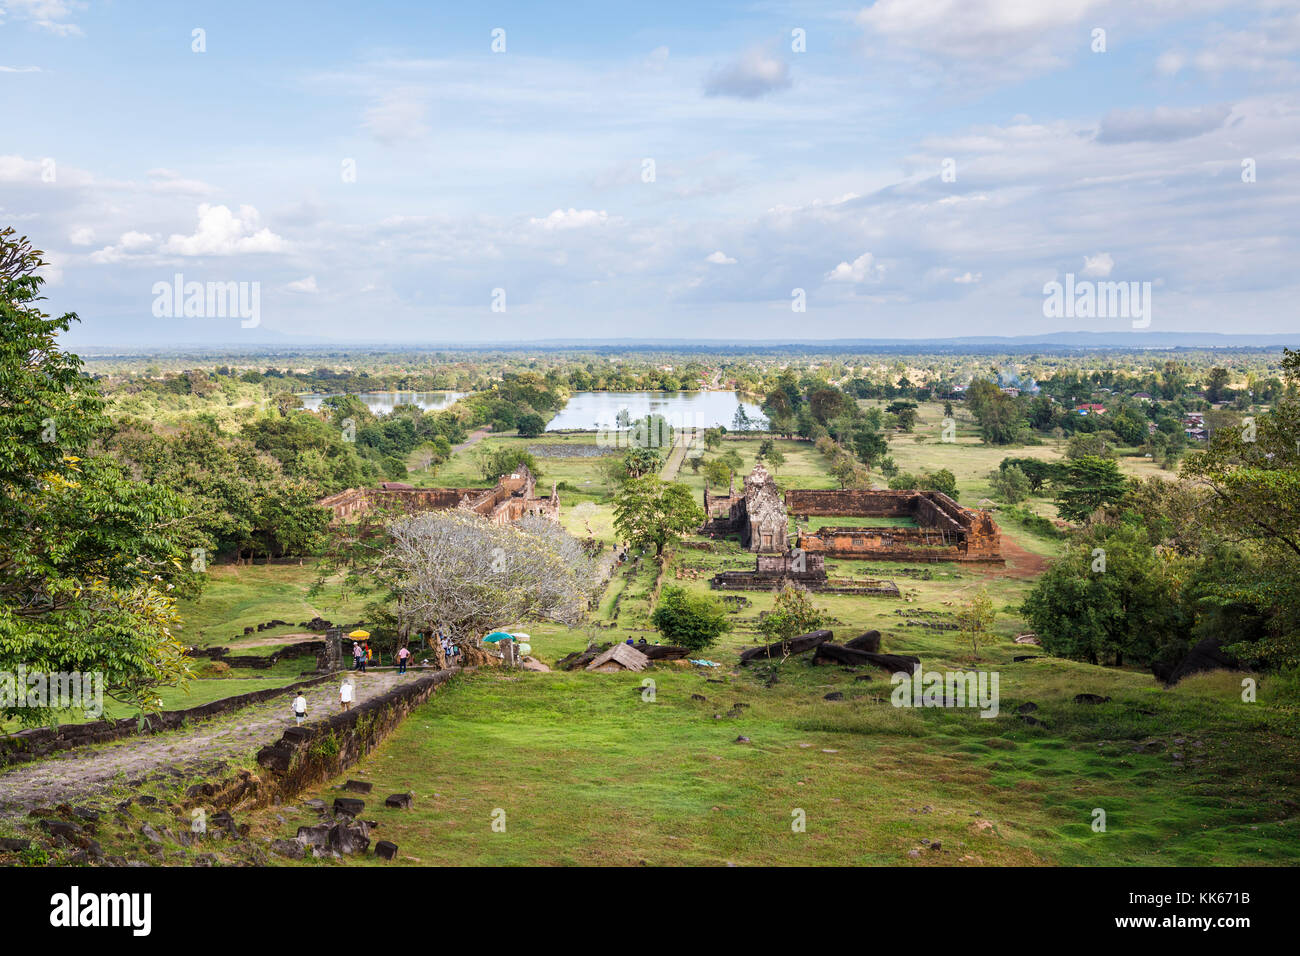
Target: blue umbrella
496,636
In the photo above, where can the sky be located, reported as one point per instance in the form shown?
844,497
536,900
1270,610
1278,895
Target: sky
492,172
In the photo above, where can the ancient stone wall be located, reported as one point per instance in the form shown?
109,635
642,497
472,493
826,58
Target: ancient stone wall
41,741
310,754
849,502
511,498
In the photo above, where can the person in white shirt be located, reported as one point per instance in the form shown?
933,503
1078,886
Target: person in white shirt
346,694
300,708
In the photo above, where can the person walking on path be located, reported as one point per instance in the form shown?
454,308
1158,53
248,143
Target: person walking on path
402,654
346,694
300,708
358,655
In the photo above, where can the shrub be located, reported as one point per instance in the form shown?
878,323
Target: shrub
691,620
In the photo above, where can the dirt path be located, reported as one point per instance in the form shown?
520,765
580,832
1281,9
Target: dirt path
1020,563
474,438
87,772
675,458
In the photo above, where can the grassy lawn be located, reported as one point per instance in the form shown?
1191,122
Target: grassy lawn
587,771
239,596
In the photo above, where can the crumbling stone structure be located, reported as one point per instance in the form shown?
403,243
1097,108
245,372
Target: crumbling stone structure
944,531
757,514
512,497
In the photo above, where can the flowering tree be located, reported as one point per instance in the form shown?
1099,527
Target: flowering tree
458,573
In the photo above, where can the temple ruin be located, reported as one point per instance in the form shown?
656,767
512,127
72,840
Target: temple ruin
512,497
937,529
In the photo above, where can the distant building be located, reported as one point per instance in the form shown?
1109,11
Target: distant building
1090,408
1142,396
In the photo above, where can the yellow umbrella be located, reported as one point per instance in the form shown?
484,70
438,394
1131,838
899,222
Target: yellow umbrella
359,633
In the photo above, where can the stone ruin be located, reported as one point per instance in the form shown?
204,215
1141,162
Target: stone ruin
944,531
512,497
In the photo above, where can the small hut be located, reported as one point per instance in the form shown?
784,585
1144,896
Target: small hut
620,657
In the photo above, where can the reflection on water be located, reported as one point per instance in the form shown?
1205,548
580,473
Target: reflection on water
381,403
595,410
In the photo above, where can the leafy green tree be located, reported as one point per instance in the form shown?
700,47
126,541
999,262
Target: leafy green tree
652,513
1088,483
641,461
505,461
90,559
1110,599
716,473
775,460
1009,484
793,613
530,425
694,621
975,618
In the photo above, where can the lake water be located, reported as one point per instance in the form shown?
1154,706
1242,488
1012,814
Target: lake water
381,403
596,410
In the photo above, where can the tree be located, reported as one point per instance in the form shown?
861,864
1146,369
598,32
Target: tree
792,614
1109,599
716,473
461,574
1087,484
90,559
530,425
731,458
975,618
712,438
689,620
869,446
640,461
650,512
1010,484
505,461
1216,385
775,459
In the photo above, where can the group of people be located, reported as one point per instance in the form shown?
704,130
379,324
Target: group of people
362,654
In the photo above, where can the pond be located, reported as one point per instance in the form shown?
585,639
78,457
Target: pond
381,403
699,410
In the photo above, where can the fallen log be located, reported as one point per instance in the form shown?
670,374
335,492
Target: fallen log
840,654
869,641
796,645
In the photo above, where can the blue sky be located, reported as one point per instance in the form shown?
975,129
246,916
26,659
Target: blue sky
131,158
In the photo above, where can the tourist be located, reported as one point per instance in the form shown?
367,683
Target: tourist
365,656
357,654
402,654
300,708
346,694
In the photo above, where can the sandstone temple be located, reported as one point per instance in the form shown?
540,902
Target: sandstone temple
512,497
933,527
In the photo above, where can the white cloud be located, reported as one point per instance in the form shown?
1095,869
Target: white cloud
170,181
20,69
1163,124
307,285
401,115
753,74
863,269
51,16
1170,62
968,278
82,236
720,258
572,219
128,244
219,233
1099,265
